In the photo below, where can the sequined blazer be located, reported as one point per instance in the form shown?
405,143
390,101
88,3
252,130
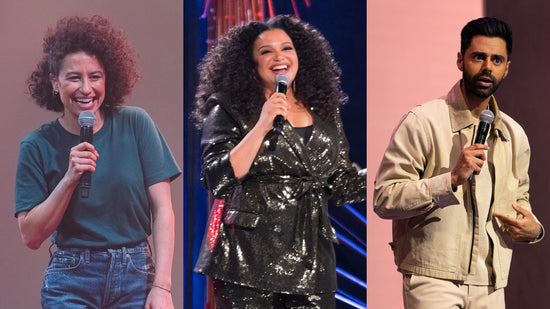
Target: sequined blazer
270,230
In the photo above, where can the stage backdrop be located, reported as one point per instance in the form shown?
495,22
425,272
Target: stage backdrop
411,58
156,30
523,96
343,25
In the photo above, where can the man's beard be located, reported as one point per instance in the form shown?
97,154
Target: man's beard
479,91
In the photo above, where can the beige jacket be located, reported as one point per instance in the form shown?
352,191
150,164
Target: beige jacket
435,230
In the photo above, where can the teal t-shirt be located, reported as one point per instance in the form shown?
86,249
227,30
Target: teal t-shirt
133,155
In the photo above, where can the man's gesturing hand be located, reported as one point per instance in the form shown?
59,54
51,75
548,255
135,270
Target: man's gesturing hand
525,228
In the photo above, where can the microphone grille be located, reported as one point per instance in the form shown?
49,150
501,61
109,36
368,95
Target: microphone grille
282,78
487,116
86,119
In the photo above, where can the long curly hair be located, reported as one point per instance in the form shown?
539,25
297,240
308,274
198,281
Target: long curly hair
229,68
96,37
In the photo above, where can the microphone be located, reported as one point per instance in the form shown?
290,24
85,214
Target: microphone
86,119
485,119
281,80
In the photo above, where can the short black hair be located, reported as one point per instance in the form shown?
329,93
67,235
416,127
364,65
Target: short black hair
487,26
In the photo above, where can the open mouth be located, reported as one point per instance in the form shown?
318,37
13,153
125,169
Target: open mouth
84,102
485,81
280,68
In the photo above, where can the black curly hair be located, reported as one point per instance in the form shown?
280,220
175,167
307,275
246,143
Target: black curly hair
229,68
96,37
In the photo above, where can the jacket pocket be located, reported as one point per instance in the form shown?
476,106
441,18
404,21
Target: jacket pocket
241,218
244,210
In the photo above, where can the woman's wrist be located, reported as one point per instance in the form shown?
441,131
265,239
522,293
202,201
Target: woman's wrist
162,287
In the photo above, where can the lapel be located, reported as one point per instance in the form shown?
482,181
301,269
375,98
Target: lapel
302,151
501,156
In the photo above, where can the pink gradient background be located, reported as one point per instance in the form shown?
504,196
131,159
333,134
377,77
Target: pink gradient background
411,58
156,30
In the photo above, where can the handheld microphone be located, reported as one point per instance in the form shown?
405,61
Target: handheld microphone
281,80
86,119
485,119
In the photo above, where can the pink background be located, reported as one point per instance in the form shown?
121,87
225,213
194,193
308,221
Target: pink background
156,30
411,58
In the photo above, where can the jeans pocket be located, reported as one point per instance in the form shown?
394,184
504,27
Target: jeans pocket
141,262
64,260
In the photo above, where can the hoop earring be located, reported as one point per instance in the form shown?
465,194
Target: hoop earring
54,92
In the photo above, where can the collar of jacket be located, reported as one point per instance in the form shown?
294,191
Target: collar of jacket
461,117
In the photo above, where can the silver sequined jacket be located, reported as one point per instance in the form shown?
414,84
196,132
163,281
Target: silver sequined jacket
274,232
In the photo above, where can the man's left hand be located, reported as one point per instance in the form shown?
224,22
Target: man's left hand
525,228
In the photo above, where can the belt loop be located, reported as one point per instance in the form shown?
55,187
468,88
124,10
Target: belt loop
124,256
87,255
50,249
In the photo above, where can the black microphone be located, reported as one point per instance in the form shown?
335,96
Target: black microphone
281,80
485,119
86,119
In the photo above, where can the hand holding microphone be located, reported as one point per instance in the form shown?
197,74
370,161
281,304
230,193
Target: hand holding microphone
86,119
281,80
485,119
472,157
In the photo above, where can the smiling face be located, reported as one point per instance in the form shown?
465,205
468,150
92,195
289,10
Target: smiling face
81,86
274,53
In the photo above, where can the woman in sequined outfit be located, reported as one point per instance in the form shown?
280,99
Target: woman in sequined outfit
269,243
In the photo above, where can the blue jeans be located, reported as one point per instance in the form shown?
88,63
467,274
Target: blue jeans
103,278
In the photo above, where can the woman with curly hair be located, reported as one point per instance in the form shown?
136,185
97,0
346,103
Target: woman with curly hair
102,259
269,243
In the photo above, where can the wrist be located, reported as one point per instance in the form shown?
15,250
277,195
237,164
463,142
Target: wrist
166,288
261,130
69,181
454,180
164,282
539,236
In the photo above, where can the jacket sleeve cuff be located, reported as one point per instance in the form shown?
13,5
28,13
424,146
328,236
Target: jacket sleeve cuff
539,236
441,191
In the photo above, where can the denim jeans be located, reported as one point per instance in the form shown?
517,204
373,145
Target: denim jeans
106,278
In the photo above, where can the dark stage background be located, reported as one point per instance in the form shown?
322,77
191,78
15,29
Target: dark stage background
523,97
344,26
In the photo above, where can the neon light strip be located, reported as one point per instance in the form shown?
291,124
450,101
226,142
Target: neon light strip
345,228
355,304
356,213
351,277
351,244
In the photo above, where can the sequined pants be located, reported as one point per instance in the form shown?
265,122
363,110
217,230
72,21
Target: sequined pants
229,296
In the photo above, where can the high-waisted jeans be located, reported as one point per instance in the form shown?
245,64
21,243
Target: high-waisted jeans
98,278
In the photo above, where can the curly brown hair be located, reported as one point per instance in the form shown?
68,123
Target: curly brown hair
229,68
96,37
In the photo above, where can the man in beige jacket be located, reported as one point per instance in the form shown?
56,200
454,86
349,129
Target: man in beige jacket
452,233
